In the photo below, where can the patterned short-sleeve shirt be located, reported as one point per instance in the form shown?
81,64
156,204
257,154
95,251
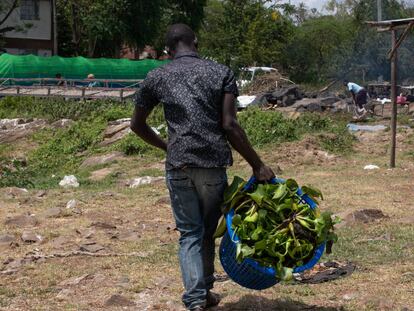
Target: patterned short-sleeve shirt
191,91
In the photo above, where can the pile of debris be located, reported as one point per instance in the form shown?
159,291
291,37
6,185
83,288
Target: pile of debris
267,83
272,90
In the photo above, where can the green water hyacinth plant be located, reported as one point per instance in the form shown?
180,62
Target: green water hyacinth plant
276,227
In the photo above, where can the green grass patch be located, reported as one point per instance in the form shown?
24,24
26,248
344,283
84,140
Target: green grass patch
264,127
370,246
60,152
58,108
151,172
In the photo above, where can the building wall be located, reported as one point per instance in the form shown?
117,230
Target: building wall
37,39
41,29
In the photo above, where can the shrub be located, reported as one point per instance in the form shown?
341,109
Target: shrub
61,152
58,108
14,174
263,127
340,142
132,145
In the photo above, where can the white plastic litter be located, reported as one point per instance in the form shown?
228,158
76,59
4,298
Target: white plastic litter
69,181
371,167
366,128
146,180
244,101
383,101
156,130
71,204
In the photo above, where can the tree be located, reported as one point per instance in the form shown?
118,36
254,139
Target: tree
97,28
319,48
6,9
242,33
369,49
189,12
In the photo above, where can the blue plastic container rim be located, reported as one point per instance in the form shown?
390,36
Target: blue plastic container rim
267,270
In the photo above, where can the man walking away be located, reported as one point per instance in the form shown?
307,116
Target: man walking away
359,96
198,98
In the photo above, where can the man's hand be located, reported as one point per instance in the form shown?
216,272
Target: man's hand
263,173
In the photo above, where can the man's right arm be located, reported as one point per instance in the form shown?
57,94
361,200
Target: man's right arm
239,141
145,101
140,127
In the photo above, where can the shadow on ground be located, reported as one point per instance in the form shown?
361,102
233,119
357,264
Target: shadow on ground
256,303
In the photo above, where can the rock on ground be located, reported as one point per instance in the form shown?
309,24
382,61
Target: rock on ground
69,182
6,239
63,123
71,204
22,221
53,212
101,174
15,192
31,237
102,159
115,131
14,129
119,301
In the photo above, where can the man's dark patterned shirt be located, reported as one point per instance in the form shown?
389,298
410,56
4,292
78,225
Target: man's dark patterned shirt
191,91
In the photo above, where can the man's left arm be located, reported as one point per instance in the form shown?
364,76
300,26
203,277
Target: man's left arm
140,127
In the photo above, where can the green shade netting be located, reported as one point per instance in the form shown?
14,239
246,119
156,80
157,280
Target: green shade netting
31,66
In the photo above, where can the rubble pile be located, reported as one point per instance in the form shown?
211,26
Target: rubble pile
266,83
273,91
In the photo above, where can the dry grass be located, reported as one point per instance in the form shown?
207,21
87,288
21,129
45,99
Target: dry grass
384,279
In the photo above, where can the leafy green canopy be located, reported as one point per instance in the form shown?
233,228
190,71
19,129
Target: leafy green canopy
240,33
309,46
99,28
276,227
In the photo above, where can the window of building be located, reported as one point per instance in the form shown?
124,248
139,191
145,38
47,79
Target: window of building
29,10
28,52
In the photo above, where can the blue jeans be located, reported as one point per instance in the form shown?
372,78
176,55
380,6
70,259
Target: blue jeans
196,197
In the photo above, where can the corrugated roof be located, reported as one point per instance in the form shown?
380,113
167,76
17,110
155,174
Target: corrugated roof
392,22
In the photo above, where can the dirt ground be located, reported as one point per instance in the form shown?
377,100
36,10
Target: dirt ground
115,248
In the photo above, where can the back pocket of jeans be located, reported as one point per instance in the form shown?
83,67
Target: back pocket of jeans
180,183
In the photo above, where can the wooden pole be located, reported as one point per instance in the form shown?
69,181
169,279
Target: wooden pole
394,60
400,40
379,9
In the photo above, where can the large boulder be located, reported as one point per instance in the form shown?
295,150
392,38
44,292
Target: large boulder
14,129
115,131
102,159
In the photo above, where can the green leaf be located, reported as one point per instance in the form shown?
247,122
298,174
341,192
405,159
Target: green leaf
280,191
260,245
221,228
312,191
285,274
292,185
237,220
247,251
258,194
233,189
252,218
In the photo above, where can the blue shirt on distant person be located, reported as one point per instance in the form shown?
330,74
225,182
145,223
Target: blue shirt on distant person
354,88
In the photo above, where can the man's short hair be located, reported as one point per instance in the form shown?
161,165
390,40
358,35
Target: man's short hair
346,82
179,33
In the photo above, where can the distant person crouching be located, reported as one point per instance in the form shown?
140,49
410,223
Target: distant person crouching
359,96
